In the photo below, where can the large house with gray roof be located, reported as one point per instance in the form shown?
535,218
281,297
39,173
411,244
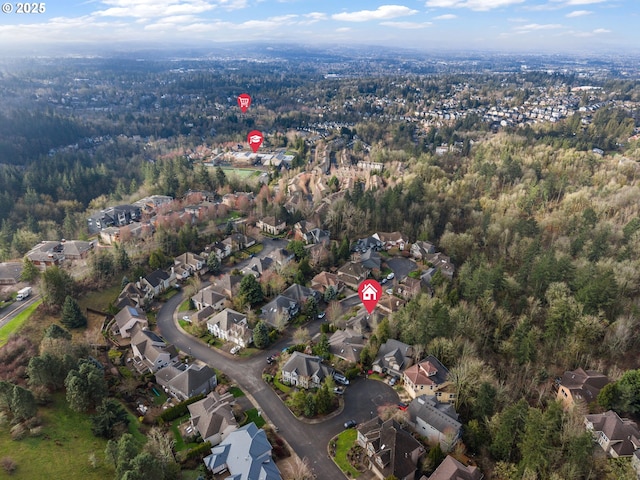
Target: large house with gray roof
393,357
305,371
452,469
208,297
438,422
618,437
127,319
231,326
151,352
213,417
245,454
186,381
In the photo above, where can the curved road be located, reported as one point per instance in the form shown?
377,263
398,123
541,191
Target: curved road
308,440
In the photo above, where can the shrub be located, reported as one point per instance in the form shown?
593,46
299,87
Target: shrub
179,410
199,451
8,465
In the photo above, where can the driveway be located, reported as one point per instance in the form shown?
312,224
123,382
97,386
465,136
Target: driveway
308,440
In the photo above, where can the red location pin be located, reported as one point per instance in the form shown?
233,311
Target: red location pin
244,102
255,140
370,292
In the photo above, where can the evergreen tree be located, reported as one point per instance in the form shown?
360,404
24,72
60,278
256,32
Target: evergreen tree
86,386
110,416
57,285
23,404
29,271
251,290
72,316
261,335
213,263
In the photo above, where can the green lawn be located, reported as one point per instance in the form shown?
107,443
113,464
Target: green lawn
180,443
100,299
344,442
16,323
184,306
281,386
61,451
252,416
236,392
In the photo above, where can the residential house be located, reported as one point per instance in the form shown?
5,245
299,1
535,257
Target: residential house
152,203
429,377
127,319
347,344
218,249
368,243
10,273
208,297
201,315
580,386
436,421
191,263
317,236
420,249
132,295
322,281
302,228
393,357
409,288
352,274
442,263
271,225
117,216
618,437
150,351
319,254
186,381
452,469
238,200
390,303
237,241
392,451
392,240
256,266
300,293
231,326
305,371
279,311
370,260
157,282
110,235
213,417
228,285
245,454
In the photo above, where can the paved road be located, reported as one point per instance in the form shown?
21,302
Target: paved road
310,441
10,312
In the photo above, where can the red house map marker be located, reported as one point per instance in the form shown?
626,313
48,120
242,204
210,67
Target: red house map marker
255,140
244,102
370,292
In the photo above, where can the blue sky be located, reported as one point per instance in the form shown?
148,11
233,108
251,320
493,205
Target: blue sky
507,25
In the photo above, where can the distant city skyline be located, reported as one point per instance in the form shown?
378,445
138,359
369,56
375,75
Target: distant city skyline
546,26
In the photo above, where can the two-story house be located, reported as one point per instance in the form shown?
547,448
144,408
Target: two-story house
429,377
618,437
231,326
151,352
127,319
305,371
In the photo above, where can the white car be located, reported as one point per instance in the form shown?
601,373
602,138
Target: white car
235,350
390,276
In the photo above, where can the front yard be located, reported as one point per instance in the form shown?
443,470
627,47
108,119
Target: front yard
343,443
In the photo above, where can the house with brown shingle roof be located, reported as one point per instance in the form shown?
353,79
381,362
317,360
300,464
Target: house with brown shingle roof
231,326
322,281
452,469
429,377
128,318
391,449
186,381
347,344
580,386
208,297
618,437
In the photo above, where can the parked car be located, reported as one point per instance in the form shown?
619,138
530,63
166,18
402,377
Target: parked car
338,377
390,276
321,315
393,380
384,280
235,350
338,390
350,424
402,406
389,291
270,359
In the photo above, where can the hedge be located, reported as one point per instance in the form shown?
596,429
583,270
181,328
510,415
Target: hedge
179,410
200,450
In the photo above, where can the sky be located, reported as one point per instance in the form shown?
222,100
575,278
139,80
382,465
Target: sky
562,26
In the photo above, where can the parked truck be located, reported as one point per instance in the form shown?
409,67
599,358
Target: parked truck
24,293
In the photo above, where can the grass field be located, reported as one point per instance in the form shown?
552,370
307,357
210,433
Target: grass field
252,416
100,299
62,451
241,173
344,442
17,322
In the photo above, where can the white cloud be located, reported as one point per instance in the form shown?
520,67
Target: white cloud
581,2
448,16
480,5
154,9
407,25
578,13
601,30
384,12
534,27
343,29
